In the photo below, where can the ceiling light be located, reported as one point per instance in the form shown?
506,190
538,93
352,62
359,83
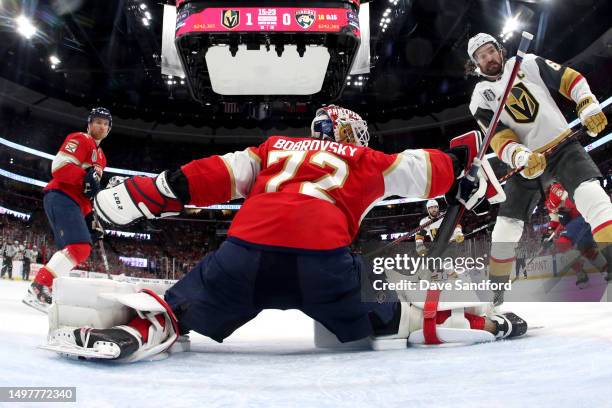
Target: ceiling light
145,21
512,24
147,14
143,6
54,60
25,27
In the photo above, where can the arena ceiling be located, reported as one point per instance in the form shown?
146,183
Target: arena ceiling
108,55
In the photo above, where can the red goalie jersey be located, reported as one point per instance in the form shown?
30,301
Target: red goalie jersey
78,152
312,194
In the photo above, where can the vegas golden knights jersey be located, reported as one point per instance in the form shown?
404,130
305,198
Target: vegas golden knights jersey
531,116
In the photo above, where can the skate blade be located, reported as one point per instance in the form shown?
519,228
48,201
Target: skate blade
79,352
36,305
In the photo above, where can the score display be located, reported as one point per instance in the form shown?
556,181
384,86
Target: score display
271,19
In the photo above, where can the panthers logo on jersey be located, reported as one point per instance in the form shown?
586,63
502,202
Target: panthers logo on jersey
521,104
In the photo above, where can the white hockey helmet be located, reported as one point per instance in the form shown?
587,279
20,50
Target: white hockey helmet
478,41
431,203
341,125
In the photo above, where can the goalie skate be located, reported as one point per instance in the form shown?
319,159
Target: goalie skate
38,297
63,341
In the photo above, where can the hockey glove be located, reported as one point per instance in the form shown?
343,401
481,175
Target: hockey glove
591,116
91,183
459,237
534,163
137,198
95,229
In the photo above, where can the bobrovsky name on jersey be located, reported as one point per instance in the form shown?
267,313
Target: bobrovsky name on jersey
314,144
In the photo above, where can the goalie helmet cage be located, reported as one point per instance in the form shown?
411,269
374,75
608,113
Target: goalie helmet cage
291,36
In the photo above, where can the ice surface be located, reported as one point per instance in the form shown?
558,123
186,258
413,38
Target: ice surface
272,362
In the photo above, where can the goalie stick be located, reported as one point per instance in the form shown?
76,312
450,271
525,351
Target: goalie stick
455,212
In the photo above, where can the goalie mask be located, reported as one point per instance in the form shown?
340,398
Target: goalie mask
341,125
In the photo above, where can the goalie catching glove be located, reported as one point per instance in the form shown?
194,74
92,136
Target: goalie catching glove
137,198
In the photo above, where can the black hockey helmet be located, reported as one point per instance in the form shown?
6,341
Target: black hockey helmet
101,113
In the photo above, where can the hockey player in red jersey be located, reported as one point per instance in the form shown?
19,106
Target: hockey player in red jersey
287,247
76,172
573,232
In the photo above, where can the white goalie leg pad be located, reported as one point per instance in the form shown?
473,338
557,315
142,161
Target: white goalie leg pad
77,303
104,304
61,263
455,329
408,317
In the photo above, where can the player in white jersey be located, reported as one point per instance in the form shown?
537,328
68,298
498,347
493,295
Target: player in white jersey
431,230
530,123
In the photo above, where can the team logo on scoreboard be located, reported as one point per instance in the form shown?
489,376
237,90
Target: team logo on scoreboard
230,18
305,18
521,104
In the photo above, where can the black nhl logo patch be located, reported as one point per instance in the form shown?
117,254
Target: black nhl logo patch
489,95
230,18
305,18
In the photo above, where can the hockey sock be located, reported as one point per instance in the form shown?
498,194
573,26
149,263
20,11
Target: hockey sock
476,322
44,277
63,261
142,326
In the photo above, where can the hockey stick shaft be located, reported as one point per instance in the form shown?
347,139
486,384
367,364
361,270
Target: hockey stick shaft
455,213
546,153
406,236
102,250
